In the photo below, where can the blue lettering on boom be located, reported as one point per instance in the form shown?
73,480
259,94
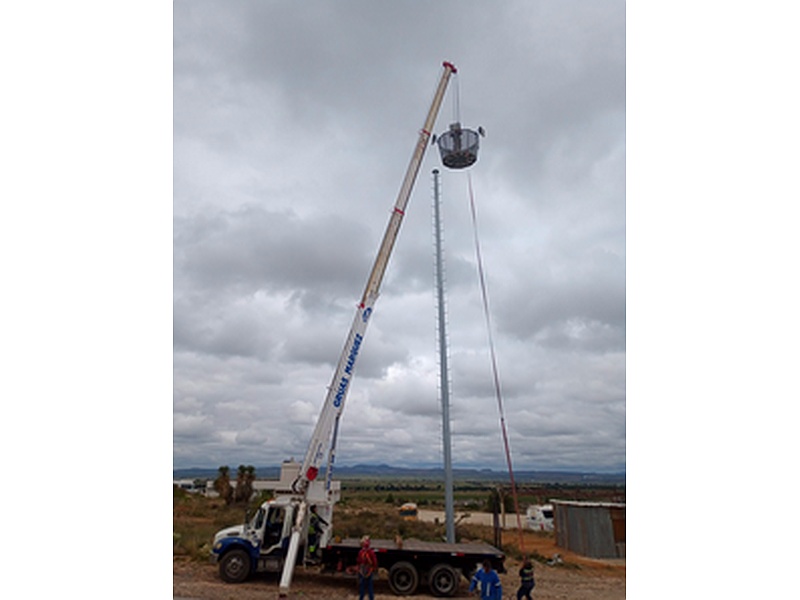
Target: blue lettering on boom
351,359
348,368
337,401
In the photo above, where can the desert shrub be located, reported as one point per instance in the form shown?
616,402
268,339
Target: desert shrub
492,503
195,520
382,523
194,543
540,558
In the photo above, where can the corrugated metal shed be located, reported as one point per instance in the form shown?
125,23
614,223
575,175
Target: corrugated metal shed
593,529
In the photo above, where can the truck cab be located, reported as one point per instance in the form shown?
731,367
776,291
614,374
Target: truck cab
260,543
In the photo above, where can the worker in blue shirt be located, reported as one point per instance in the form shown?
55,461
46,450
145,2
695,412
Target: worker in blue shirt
489,581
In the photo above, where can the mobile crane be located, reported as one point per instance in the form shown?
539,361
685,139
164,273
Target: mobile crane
271,541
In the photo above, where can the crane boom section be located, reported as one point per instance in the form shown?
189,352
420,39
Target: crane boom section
376,276
340,384
334,400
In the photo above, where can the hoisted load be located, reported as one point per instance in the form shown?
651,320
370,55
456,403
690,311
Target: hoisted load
459,147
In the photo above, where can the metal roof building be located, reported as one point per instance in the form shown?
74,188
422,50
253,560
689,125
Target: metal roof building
593,529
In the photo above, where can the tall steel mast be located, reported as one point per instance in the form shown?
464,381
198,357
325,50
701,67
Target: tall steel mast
444,376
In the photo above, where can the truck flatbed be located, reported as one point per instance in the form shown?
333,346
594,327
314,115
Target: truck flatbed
410,562
412,545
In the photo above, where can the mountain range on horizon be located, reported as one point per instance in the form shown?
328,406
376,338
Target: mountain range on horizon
361,471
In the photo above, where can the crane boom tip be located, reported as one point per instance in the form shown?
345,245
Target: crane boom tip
451,66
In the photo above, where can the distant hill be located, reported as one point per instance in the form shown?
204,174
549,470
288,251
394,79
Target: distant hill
436,474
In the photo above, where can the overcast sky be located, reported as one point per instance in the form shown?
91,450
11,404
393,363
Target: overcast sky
293,127
291,132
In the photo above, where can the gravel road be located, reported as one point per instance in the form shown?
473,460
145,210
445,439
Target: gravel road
197,581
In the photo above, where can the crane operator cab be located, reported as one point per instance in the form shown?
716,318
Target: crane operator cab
458,146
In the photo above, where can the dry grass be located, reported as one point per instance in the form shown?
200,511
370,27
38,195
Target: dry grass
195,520
381,521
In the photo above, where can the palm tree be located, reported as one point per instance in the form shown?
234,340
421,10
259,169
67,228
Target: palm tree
222,485
249,478
244,483
239,484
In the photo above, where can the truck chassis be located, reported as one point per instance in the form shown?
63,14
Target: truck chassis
409,563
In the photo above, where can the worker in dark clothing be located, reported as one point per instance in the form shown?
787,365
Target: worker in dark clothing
527,582
315,528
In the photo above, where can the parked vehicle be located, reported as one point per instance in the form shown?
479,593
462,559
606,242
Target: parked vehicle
260,546
409,511
540,517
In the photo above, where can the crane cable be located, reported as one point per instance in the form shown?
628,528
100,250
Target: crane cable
494,362
456,95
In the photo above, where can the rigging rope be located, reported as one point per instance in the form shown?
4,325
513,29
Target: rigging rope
494,362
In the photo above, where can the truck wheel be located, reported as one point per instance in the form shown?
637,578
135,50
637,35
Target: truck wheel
443,580
234,566
403,579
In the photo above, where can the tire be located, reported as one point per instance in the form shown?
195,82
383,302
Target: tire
443,580
403,578
234,567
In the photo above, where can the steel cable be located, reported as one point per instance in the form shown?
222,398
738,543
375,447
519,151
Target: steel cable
485,297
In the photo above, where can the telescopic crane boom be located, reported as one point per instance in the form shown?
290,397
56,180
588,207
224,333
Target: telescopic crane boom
322,444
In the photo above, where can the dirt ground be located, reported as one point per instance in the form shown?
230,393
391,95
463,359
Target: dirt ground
577,578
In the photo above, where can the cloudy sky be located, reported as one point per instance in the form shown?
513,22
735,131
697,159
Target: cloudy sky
155,179
293,127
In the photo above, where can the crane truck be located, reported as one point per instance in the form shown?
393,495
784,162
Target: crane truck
276,538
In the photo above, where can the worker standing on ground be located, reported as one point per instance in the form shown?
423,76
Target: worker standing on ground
527,582
367,564
489,581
